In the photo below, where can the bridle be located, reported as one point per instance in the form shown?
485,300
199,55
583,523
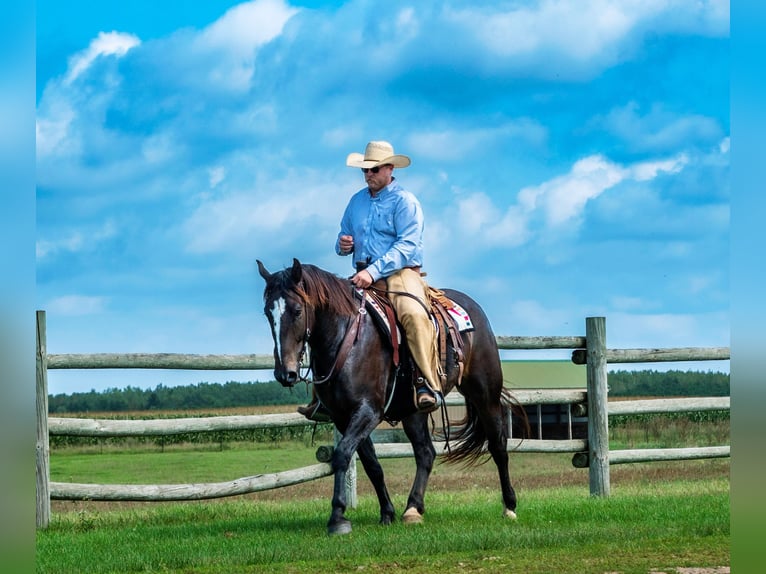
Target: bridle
349,339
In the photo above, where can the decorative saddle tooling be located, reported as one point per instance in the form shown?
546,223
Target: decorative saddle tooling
449,319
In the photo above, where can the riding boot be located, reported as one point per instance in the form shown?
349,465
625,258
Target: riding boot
315,411
426,399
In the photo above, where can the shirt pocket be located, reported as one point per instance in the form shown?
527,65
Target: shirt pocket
383,222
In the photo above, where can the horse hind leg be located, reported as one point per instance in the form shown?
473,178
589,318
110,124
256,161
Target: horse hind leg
487,412
497,443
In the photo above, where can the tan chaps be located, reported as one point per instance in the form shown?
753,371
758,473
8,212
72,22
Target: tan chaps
418,328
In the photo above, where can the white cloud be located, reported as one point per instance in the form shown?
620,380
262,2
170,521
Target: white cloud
554,206
265,215
105,44
63,106
560,38
245,27
236,38
76,305
634,330
76,241
540,316
217,175
453,144
52,129
627,303
647,170
564,198
657,129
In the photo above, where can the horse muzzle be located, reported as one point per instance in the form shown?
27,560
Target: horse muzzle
286,377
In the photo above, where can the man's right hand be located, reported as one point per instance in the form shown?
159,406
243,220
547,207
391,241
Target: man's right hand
346,243
362,280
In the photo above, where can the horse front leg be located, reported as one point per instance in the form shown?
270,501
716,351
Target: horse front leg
416,429
361,424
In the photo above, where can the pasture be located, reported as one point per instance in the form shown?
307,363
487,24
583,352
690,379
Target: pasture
660,516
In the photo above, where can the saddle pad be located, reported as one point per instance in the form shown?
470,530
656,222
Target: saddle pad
372,303
461,317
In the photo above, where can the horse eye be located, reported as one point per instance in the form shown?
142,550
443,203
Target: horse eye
298,310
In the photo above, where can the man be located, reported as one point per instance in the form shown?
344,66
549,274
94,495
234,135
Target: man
382,229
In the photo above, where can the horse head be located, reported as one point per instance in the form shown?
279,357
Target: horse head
286,310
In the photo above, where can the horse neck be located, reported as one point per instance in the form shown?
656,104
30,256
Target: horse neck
327,335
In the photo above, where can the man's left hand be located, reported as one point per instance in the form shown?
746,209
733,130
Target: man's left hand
362,280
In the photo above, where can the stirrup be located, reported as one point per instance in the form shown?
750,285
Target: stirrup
316,412
427,400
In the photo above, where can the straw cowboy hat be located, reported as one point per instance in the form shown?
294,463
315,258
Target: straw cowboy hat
377,153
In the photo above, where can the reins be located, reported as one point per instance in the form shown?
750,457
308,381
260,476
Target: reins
345,347
385,292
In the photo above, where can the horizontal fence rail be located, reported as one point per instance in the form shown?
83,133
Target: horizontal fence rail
69,426
590,402
168,492
657,355
650,406
263,362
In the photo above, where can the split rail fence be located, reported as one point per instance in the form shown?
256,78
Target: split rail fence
591,402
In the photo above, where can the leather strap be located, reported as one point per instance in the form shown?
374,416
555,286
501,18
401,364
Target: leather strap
345,347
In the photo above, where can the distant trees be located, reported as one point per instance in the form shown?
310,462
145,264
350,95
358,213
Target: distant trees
189,397
236,394
652,383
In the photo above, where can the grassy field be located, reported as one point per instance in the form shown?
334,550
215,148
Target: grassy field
640,528
661,516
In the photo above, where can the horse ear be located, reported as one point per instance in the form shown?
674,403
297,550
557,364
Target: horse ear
262,270
296,272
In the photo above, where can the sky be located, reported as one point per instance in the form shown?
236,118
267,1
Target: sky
572,160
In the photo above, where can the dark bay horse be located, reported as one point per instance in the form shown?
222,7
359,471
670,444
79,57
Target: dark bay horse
306,306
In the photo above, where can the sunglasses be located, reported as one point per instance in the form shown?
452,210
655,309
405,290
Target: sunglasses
375,169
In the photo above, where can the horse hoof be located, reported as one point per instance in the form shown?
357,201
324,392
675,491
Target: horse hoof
509,514
412,516
343,527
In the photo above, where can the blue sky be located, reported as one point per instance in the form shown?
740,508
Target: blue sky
572,159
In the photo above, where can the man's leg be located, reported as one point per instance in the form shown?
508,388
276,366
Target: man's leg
418,328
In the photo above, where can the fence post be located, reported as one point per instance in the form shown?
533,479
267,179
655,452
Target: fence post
42,450
598,418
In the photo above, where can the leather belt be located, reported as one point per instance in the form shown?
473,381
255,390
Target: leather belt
361,265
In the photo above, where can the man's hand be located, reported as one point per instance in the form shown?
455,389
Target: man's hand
362,280
346,243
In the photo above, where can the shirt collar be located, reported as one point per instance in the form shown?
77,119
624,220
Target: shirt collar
387,188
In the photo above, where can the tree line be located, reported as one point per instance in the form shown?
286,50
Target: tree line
188,397
243,394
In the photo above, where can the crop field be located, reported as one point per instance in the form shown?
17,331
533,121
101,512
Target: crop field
659,518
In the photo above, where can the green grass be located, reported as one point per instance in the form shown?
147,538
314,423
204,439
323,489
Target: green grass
199,464
660,516
683,523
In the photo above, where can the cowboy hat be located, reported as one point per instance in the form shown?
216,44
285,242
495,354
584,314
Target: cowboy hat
377,153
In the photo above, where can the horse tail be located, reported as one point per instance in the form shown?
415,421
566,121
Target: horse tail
470,436
510,403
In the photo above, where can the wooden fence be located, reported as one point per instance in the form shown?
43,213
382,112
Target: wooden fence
593,453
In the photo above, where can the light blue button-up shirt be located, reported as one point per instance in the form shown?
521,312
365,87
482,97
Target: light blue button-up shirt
387,228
